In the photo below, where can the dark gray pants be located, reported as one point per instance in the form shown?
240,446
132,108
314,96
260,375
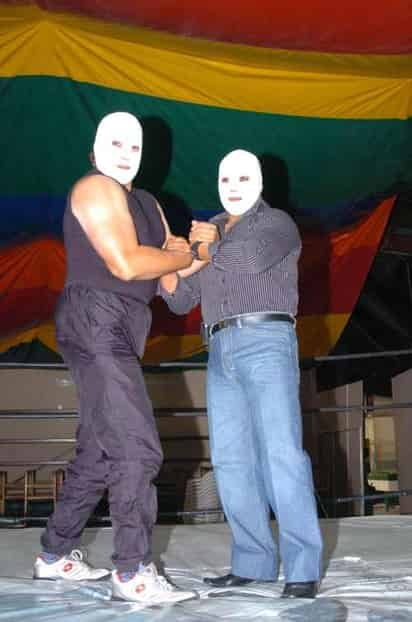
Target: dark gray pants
100,336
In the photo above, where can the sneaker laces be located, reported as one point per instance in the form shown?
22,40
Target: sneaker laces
77,556
164,584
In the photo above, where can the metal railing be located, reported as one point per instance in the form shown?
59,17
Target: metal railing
183,412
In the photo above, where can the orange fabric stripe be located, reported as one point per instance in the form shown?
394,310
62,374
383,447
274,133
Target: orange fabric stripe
333,270
34,264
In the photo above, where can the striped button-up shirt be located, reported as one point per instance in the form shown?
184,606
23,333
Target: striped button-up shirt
252,268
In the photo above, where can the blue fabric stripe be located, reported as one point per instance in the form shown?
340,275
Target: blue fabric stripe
27,216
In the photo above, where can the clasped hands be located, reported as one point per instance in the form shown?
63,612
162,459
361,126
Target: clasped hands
205,232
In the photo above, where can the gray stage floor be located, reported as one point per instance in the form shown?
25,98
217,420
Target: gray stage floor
368,577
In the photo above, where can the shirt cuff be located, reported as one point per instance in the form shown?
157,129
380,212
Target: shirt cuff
180,287
213,248
161,291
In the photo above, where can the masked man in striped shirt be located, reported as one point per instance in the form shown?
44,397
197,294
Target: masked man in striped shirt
246,281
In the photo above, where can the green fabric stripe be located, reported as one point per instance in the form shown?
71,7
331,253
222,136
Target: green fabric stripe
49,123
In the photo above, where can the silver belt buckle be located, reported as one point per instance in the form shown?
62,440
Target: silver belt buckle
204,334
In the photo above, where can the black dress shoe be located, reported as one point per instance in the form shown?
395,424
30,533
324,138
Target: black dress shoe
304,589
227,580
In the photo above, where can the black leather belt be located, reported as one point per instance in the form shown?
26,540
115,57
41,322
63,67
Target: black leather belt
249,319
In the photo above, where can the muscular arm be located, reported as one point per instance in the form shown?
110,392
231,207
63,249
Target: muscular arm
101,208
196,264
195,267
165,224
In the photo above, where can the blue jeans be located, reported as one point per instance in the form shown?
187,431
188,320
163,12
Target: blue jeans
255,430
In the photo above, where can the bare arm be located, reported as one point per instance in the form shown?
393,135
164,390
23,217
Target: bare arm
101,208
208,233
195,267
165,224
169,244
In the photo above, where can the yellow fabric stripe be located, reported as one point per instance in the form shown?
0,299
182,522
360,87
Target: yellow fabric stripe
158,349
343,86
317,335
163,348
44,333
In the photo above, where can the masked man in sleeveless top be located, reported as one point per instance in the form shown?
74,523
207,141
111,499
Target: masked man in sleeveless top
247,288
117,246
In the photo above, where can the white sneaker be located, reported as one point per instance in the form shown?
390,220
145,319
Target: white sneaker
148,588
71,567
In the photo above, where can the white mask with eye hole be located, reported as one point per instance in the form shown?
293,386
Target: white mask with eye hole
118,146
240,181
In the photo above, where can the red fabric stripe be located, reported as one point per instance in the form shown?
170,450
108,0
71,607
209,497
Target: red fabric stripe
381,26
333,269
22,308
166,323
33,264
333,289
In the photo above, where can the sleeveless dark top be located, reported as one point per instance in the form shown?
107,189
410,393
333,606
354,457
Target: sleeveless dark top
86,267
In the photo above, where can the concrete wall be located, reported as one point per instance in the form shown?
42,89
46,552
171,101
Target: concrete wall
402,393
334,440
380,432
53,390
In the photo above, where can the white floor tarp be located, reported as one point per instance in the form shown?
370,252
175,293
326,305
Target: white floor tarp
368,578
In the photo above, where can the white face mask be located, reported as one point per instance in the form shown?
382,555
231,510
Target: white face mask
240,181
118,146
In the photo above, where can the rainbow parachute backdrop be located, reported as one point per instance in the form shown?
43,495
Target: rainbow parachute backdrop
321,92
